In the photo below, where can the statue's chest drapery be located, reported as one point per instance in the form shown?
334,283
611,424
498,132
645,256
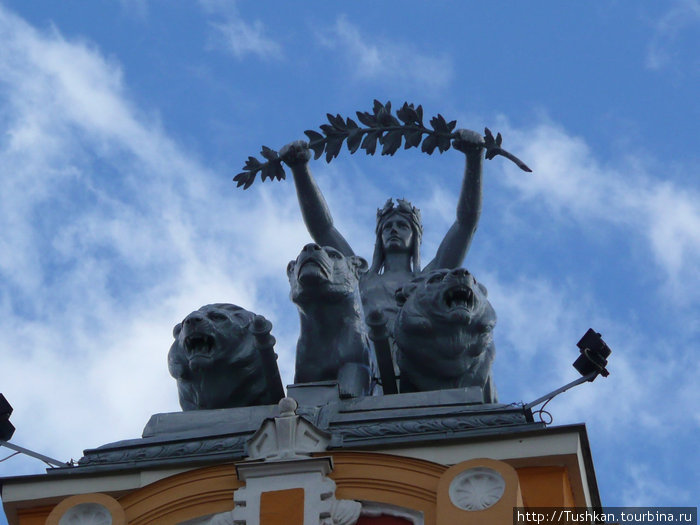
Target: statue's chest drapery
378,292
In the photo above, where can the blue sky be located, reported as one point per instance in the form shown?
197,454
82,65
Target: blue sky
122,124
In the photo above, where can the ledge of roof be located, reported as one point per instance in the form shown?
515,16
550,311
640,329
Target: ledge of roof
370,421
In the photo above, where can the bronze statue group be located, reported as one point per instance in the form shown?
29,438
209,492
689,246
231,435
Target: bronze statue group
437,320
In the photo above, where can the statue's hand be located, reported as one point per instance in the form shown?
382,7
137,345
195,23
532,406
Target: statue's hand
468,141
295,153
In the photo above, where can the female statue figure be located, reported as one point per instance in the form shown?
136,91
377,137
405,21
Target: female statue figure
396,258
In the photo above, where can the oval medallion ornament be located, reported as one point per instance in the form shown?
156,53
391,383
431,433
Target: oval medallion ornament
477,489
87,514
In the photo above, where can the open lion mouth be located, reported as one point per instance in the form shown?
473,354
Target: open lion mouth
199,344
459,297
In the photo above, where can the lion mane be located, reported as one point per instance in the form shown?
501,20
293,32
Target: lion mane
444,333
215,361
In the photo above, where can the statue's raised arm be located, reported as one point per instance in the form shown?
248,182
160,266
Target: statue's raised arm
396,256
314,209
454,246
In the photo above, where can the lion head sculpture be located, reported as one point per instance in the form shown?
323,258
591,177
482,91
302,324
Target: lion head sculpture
444,333
215,361
333,342
322,274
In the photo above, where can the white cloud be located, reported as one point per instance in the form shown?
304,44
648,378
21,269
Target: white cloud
244,39
111,234
569,181
666,44
236,36
377,59
643,485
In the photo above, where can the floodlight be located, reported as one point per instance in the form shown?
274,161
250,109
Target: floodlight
6,428
594,354
590,364
6,431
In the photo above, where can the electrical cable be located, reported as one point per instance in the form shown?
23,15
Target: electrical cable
542,411
10,456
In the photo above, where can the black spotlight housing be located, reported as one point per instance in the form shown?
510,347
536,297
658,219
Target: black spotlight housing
6,428
594,354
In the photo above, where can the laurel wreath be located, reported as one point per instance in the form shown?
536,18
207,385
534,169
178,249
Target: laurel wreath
382,128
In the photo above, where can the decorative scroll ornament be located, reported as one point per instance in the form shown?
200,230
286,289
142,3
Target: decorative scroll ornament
382,128
372,430
230,445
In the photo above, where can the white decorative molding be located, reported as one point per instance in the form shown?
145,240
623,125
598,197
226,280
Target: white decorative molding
309,474
280,459
87,514
477,488
344,512
286,437
285,444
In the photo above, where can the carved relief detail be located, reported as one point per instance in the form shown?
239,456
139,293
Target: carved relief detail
87,514
233,445
417,426
477,488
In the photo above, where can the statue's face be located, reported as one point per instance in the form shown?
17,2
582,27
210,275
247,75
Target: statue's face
397,234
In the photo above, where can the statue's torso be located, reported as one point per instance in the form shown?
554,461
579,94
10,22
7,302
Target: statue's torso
378,292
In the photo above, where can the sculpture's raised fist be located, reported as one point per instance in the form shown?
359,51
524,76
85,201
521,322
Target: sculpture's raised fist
468,141
295,153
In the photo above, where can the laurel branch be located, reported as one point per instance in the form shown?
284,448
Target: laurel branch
382,128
